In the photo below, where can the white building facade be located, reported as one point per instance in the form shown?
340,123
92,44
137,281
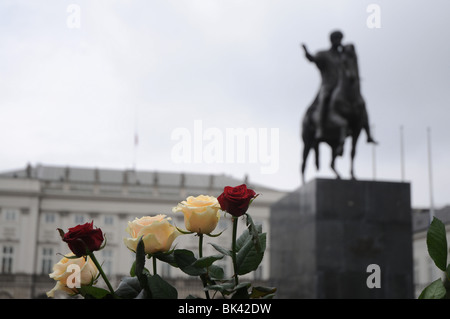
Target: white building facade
34,202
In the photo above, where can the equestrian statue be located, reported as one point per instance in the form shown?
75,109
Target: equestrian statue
338,110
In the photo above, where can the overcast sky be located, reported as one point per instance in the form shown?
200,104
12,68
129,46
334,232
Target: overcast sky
80,78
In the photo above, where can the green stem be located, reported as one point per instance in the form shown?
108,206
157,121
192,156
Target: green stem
102,274
200,255
233,250
154,265
200,245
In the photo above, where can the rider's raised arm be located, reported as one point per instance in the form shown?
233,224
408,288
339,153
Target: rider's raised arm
307,54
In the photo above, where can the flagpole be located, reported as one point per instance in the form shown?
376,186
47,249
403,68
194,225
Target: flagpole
430,174
135,138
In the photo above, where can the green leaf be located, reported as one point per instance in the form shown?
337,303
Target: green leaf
205,262
161,289
247,236
435,290
229,287
215,235
184,232
143,295
222,250
225,288
133,269
166,257
61,233
249,257
249,251
91,292
263,292
140,258
241,291
243,239
104,242
254,231
437,243
185,259
215,272
447,275
139,269
129,287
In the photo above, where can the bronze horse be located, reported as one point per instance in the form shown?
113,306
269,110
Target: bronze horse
346,115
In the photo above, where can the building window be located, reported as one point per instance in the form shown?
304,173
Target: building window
49,218
79,219
107,255
10,214
108,220
7,259
47,260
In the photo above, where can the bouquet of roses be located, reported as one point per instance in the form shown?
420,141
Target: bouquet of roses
151,237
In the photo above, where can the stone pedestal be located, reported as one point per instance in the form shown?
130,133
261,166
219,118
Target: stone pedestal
324,235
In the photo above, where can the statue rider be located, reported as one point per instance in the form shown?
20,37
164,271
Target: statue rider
328,62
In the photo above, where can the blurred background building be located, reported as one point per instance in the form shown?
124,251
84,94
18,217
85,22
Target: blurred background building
35,201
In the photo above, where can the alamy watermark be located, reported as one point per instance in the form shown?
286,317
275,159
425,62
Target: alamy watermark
74,279
374,19
374,279
232,146
74,18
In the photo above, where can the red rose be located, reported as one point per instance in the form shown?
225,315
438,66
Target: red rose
235,200
83,239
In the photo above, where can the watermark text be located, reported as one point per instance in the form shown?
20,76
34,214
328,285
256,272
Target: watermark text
74,18
374,19
374,279
74,279
231,146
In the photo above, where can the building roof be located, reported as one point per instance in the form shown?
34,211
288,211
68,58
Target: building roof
421,217
49,173
52,177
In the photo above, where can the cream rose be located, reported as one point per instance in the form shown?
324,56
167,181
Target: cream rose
156,231
201,213
61,272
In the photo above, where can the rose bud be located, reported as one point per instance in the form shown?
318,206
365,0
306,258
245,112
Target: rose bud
201,213
235,200
156,232
64,271
83,239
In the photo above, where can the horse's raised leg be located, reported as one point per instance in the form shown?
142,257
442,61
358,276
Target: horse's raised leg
316,151
306,148
333,158
353,153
